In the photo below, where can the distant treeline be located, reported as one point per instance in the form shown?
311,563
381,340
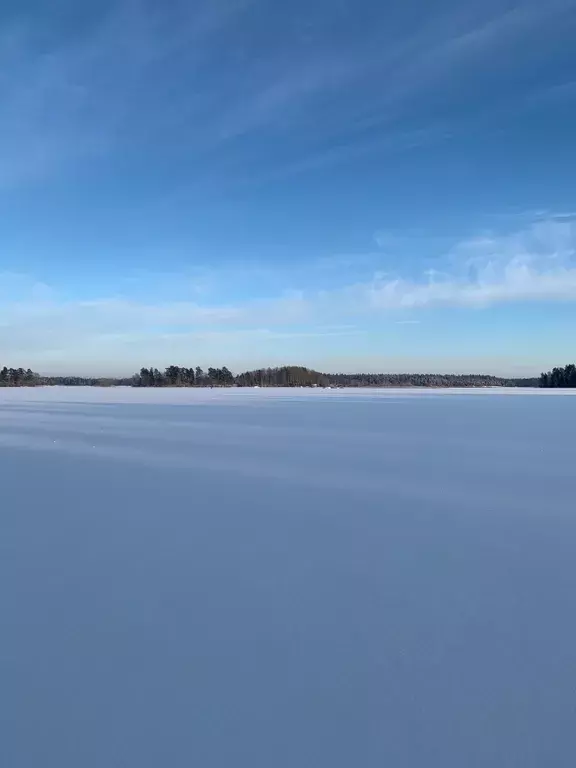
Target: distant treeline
298,376
174,376
559,377
19,377
285,376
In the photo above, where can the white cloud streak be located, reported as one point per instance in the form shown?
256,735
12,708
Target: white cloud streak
535,265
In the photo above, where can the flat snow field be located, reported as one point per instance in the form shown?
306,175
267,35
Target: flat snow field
287,578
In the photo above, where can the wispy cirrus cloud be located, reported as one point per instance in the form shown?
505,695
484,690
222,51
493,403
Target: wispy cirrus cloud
323,88
386,79
125,76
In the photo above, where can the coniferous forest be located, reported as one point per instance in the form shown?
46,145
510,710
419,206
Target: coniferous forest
564,378
284,376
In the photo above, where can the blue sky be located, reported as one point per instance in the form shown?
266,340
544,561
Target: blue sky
345,185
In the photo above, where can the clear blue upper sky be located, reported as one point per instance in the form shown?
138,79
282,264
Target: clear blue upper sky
346,184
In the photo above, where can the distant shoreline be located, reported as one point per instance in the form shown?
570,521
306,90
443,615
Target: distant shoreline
106,384
284,376
291,376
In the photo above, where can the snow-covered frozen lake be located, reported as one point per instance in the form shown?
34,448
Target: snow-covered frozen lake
287,578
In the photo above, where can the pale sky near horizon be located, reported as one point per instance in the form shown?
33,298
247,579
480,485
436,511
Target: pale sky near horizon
344,185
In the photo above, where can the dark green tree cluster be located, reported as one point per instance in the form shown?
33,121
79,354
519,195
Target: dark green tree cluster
559,377
175,376
18,377
287,376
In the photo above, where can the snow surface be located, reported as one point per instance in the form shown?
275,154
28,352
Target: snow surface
308,578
